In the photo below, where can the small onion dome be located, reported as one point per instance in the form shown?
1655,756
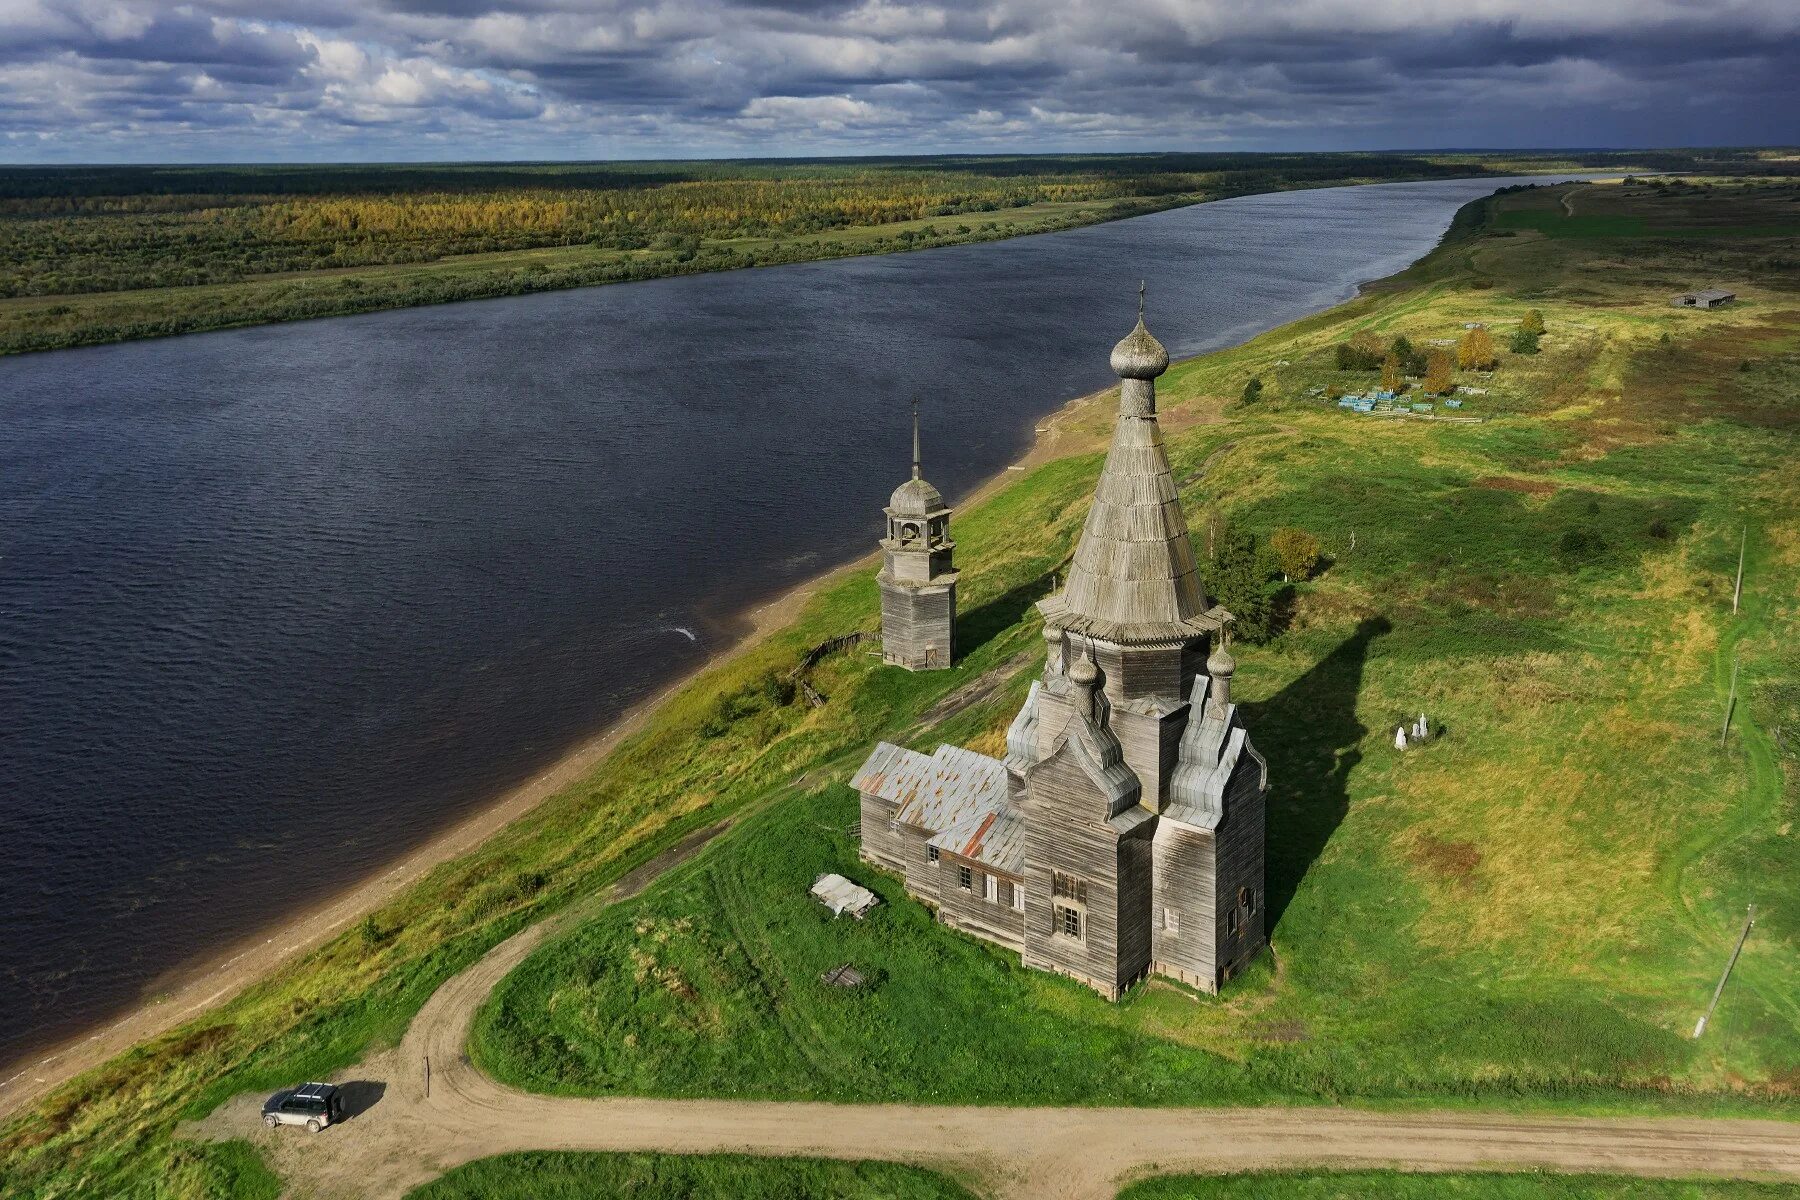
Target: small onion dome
1084,674
1053,634
1139,355
1220,664
915,498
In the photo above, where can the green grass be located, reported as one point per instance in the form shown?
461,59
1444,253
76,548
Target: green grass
1397,1185
1531,912
561,1175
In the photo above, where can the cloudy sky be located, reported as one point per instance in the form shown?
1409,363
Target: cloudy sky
159,80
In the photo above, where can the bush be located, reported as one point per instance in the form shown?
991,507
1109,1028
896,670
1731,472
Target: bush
1253,390
1363,352
1578,547
1533,323
1524,342
1296,552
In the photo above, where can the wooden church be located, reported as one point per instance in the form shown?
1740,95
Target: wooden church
1122,836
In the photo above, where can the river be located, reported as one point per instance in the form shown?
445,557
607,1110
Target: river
277,604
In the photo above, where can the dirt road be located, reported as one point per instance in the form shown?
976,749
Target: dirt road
404,1137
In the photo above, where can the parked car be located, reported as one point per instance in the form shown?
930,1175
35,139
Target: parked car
314,1105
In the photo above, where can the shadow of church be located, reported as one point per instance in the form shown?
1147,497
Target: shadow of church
1312,740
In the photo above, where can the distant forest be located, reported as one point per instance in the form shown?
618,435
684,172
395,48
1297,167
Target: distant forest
72,232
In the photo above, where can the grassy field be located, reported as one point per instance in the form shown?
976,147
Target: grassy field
99,254
1532,910
1394,1185
571,1176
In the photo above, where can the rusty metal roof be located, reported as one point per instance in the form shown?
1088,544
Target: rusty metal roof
933,793
995,839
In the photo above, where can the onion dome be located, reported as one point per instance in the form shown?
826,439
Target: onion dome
1084,674
1139,355
1220,664
915,498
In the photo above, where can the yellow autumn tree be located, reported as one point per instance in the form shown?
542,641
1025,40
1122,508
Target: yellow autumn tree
1438,368
1392,374
1475,352
1533,323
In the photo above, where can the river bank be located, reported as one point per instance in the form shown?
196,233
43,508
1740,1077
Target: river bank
291,600
189,991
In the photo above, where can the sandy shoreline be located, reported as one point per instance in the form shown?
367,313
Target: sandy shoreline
187,991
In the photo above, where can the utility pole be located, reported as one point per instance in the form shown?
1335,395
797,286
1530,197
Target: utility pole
1749,920
1730,703
1738,591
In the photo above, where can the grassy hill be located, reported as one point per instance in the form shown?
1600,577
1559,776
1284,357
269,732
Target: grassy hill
1530,911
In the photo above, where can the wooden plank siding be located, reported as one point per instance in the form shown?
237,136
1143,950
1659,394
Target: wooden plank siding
1240,852
918,623
1067,831
995,920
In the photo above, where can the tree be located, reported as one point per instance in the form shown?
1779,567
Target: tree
1362,352
1253,390
1412,362
1533,323
1437,374
1391,377
1240,578
1296,552
1475,352
1523,342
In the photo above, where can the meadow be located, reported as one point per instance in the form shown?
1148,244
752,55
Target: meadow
551,1175
98,254
1529,912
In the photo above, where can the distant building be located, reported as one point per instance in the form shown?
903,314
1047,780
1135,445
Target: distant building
1705,298
917,580
1123,834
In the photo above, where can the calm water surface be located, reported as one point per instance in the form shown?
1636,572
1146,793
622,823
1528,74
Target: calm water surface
278,604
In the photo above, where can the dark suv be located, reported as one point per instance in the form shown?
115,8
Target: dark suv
314,1105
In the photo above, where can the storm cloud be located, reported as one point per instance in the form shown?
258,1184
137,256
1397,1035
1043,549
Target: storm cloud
135,80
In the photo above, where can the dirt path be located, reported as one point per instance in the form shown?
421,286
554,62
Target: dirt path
404,1132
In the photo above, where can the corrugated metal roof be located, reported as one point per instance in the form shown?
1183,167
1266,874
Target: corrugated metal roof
937,792
995,838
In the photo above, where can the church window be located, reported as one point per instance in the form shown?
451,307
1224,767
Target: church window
1231,923
1171,922
1018,896
1069,887
931,853
1249,902
990,889
1068,921
965,878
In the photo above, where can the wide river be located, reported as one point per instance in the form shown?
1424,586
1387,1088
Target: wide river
278,604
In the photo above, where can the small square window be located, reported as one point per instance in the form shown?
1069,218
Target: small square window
1171,922
931,854
1068,921
965,878
1249,903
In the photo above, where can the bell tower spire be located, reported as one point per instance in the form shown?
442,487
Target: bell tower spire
915,437
918,578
